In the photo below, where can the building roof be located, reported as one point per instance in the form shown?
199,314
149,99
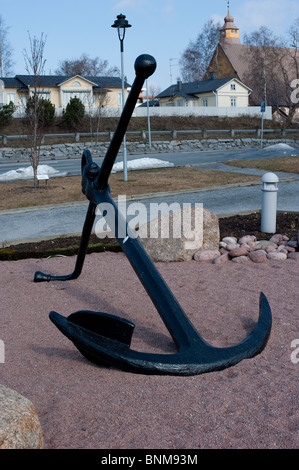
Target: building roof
19,81
191,89
228,22
239,57
243,59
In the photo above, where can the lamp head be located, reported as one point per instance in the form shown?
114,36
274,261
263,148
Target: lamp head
121,24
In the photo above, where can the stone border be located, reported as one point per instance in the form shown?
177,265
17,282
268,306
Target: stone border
76,149
279,247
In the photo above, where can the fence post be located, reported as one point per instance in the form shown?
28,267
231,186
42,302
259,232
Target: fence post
77,136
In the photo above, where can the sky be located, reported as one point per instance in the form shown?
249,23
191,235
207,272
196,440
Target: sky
161,28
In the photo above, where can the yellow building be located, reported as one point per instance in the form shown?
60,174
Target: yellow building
94,92
225,92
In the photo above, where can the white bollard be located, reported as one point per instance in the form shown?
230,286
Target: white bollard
269,202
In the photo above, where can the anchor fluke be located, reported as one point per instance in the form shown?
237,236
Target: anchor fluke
105,340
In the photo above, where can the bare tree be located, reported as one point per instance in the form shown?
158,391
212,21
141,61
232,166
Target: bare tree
153,90
197,56
263,47
6,62
86,66
289,65
273,67
35,65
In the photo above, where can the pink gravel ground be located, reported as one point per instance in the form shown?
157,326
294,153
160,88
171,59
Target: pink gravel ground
253,405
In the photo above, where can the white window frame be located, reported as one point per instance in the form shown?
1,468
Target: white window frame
11,96
233,102
84,96
205,102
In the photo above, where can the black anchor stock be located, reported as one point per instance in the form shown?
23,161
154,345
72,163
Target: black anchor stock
105,339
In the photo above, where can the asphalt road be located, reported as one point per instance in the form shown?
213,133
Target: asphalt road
43,222
73,166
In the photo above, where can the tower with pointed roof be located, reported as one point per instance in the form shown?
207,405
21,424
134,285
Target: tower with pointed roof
229,33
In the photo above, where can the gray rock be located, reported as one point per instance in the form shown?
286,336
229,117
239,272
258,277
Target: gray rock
221,259
241,259
279,256
180,246
258,256
228,240
266,243
246,239
206,255
240,251
19,424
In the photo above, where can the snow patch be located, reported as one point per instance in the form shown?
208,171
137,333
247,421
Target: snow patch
280,146
137,164
27,172
141,164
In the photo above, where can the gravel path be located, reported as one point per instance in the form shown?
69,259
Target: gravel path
82,406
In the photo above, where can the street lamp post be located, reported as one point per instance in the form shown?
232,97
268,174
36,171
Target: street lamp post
121,24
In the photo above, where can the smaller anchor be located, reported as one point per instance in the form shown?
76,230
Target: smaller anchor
105,339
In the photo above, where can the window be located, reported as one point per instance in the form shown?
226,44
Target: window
76,84
45,95
84,96
233,86
11,97
233,101
119,99
205,102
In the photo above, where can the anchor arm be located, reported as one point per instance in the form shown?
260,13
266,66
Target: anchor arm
145,66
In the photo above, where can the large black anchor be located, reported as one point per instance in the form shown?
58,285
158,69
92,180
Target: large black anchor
105,339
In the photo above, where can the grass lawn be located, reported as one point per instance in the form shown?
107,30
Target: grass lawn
20,193
287,164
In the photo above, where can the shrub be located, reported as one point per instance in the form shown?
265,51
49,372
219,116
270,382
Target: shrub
6,114
74,113
45,111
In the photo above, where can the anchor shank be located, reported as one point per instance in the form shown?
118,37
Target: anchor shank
172,314
144,66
